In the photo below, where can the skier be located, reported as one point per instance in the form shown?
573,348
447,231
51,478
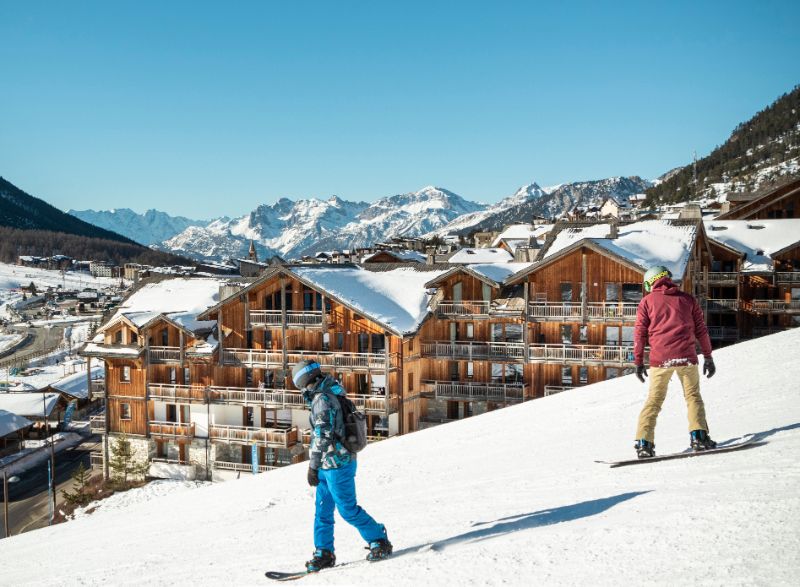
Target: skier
332,470
670,320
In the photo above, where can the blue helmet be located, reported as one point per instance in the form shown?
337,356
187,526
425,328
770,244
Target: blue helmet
654,274
305,373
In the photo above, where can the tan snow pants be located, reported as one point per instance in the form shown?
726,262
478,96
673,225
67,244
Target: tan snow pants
689,376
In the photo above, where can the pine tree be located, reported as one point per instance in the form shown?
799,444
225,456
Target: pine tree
79,496
122,463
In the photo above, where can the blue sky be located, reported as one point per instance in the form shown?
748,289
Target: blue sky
205,109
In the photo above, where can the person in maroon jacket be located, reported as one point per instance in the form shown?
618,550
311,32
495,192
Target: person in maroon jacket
670,321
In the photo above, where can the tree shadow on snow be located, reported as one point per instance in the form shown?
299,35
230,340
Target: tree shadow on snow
767,433
567,513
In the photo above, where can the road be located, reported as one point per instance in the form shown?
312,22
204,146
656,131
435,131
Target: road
29,506
42,340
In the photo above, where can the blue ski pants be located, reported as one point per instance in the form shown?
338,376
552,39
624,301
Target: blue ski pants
337,487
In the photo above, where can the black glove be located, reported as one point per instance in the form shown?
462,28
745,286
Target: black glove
313,477
709,368
641,372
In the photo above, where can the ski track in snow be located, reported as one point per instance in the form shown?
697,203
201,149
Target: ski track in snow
510,497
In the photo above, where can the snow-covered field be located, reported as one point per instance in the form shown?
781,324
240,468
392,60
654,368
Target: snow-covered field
510,497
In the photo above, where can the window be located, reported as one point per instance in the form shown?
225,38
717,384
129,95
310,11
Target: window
454,374
248,377
363,342
470,370
627,335
308,300
249,343
118,337
457,289
497,333
172,413
612,372
410,381
173,375
513,333
326,341
631,293
486,290
187,376
339,341
249,417
134,338
612,335
566,334
125,374
267,338
566,292
583,374
612,292
470,331
124,411
378,343
164,337
566,375
583,334
497,373
514,373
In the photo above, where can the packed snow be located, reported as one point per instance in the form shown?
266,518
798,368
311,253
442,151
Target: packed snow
510,497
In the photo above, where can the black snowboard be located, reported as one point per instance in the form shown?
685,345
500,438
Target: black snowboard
747,442
279,576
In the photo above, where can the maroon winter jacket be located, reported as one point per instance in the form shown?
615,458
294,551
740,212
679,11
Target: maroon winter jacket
669,320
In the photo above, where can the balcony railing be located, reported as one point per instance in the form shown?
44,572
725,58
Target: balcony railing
611,311
294,319
573,311
788,276
555,311
469,309
176,430
273,437
717,277
766,330
334,359
98,388
554,389
96,458
722,305
97,424
225,466
474,351
164,354
723,332
248,396
170,392
775,306
374,403
582,354
476,391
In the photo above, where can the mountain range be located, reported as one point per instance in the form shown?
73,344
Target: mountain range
292,229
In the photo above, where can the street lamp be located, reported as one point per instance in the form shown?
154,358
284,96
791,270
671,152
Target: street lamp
6,481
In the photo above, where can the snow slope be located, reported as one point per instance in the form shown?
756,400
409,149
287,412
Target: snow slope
509,497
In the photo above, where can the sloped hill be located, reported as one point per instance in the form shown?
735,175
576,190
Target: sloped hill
762,152
512,497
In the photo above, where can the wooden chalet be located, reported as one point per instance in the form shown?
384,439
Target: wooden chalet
781,202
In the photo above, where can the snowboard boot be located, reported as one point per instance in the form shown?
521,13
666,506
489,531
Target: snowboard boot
645,449
379,550
322,559
701,440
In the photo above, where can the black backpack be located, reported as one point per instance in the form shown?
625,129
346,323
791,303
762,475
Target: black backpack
355,425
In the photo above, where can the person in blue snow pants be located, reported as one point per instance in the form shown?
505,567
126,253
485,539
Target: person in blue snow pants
332,470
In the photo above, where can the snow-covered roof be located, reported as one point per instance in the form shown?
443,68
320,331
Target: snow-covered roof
499,272
569,236
521,232
76,385
180,299
401,255
491,255
397,299
10,423
28,404
757,239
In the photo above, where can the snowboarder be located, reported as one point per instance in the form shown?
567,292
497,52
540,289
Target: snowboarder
670,320
332,470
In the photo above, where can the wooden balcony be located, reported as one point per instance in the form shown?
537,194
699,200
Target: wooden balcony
775,306
722,305
723,332
469,309
334,359
375,404
718,277
475,391
254,396
245,467
174,393
767,330
294,319
597,355
573,311
164,354
97,424
554,389
474,351
171,430
97,388
787,276
271,437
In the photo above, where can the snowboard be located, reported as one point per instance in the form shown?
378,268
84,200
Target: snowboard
281,576
747,442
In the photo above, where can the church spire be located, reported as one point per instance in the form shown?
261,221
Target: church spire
253,255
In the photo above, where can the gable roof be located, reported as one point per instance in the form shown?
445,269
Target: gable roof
758,240
472,255
10,423
29,403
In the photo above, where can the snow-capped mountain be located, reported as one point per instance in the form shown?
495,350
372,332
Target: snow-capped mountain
152,227
292,229
532,200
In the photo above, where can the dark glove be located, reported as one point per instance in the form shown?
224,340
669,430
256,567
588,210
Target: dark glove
313,477
641,372
709,367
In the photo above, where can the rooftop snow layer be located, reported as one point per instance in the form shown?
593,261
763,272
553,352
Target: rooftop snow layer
464,509
756,243
395,298
569,236
10,423
28,404
76,385
522,232
181,299
499,272
469,256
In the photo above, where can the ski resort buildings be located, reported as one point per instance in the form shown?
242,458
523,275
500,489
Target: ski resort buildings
197,370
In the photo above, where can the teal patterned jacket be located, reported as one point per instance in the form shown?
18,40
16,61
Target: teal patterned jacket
327,425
